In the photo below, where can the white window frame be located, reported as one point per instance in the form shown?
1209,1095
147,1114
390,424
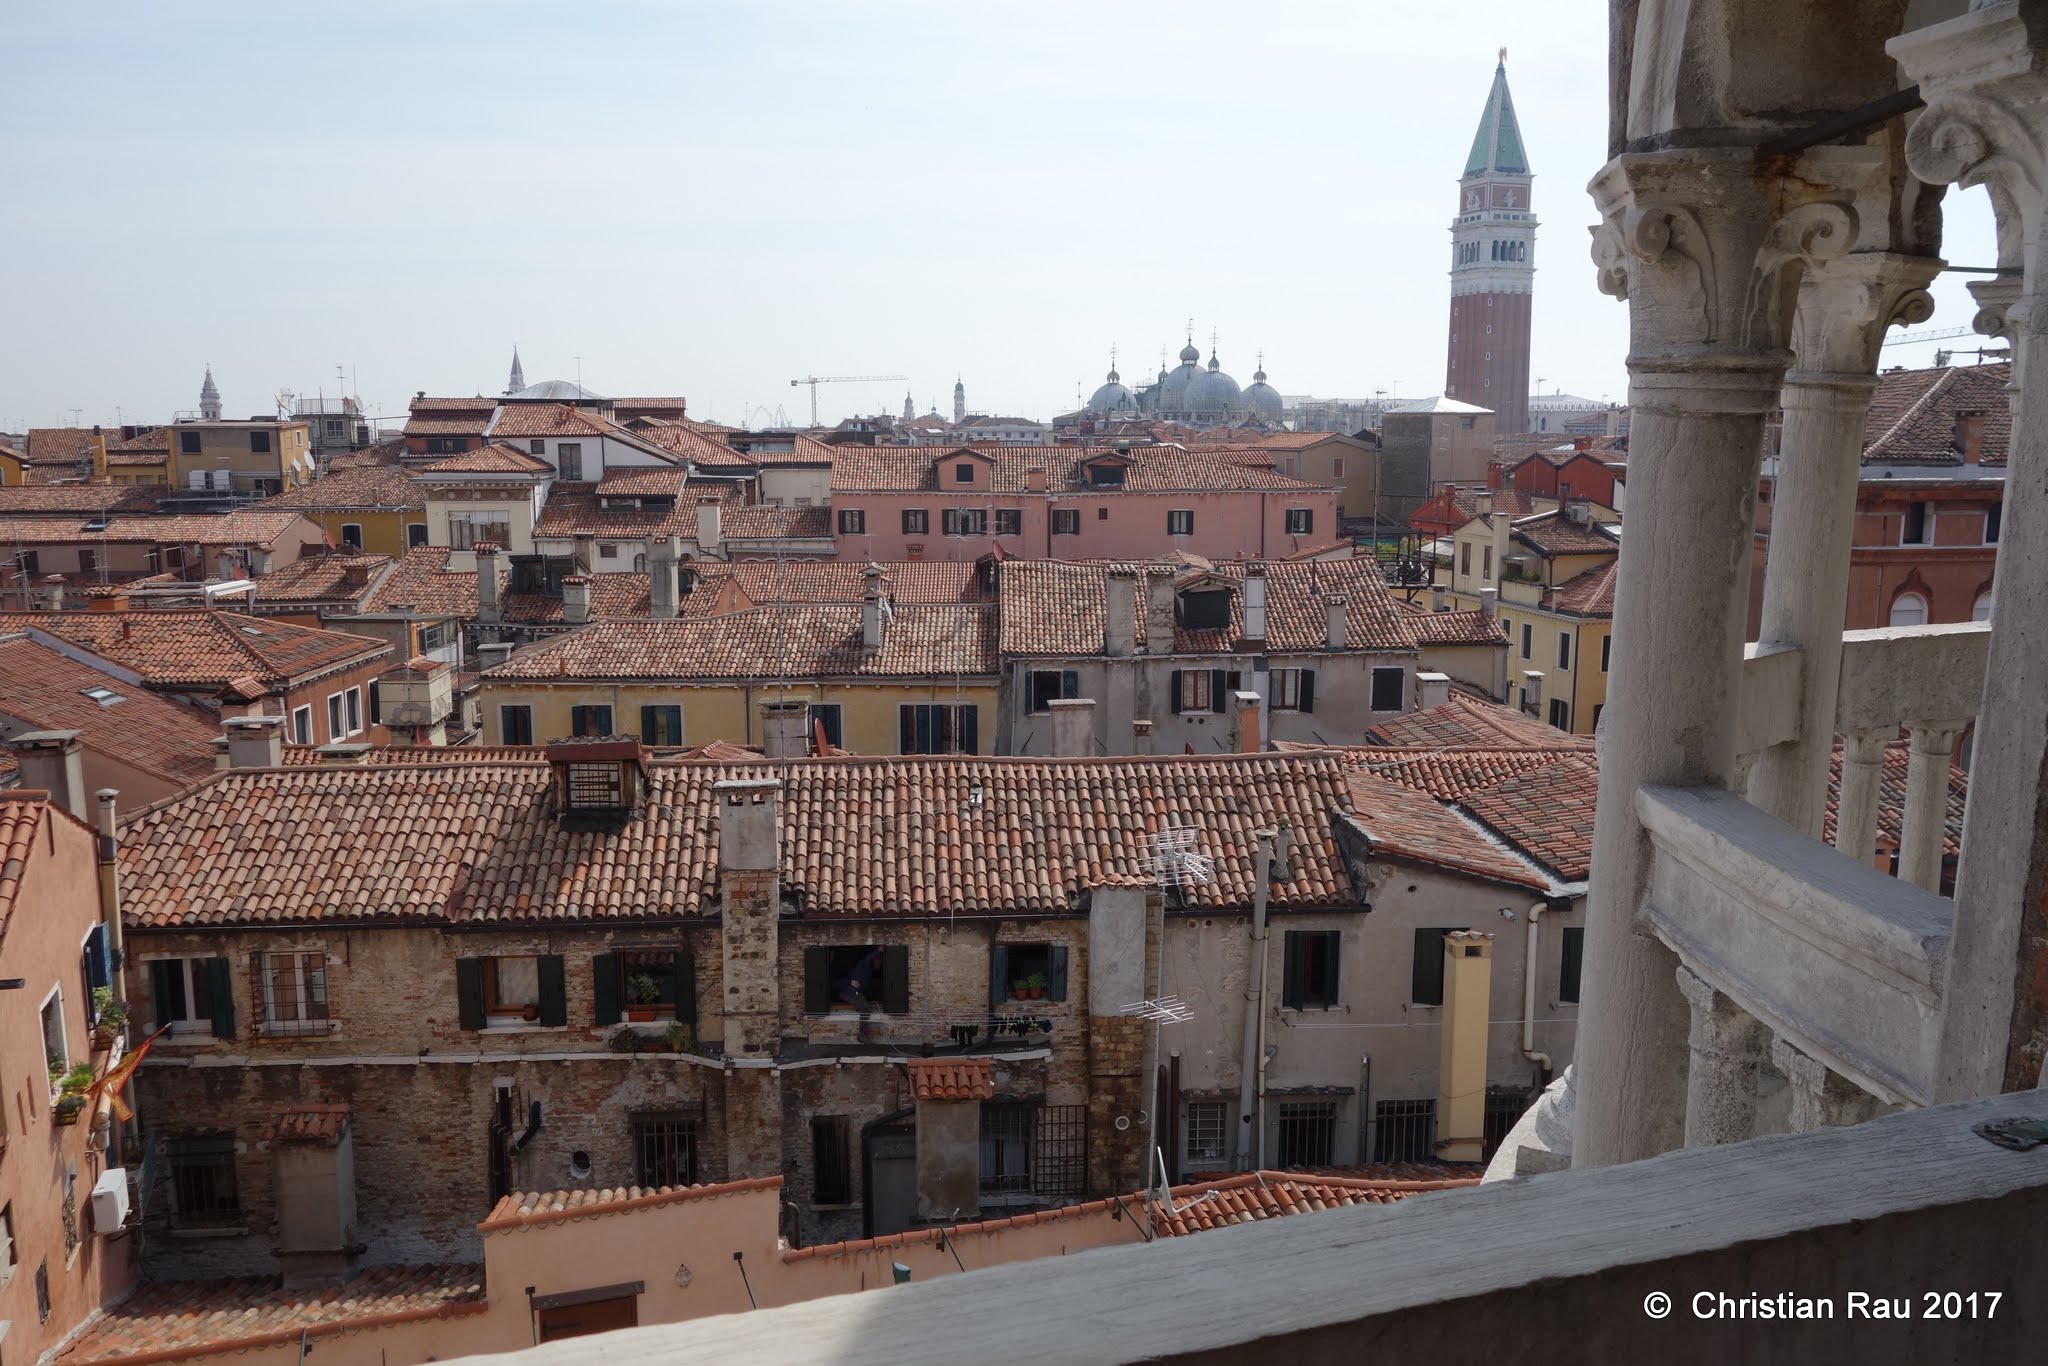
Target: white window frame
190,1024
302,724
495,527
1892,612
56,994
1926,529
267,1003
358,542
1286,688
344,713
1180,521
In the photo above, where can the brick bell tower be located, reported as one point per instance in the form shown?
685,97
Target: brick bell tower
1493,267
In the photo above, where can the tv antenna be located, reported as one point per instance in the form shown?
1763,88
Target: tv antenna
1175,864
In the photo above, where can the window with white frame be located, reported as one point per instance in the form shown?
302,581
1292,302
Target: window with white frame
1909,609
56,1046
467,530
1180,523
1981,609
569,460
1301,521
302,725
183,992
344,713
1917,526
293,990
1206,1127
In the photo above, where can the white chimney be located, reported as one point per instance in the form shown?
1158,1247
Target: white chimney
1432,689
1255,604
53,593
1141,736
486,553
1073,727
1489,600
1159,623
871,610
576,599
1120,622
661,577
255,741
1337,636
709,537
51,761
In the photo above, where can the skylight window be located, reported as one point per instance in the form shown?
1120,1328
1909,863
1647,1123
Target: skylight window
106,697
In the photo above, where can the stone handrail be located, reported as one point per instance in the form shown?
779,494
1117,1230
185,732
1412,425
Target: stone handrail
1832,955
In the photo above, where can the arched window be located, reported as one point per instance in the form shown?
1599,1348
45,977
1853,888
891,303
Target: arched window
1909,609
1982,610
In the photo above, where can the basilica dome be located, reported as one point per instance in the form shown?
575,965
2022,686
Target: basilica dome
1262,400
1112,397
1213,392
1173,388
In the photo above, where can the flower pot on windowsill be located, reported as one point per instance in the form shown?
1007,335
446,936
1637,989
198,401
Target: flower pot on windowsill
67,1109
643,1014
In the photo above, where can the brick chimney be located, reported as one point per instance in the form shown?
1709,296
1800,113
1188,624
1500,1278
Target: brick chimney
1034,479
1496,473
255,741
1255,604
1073,727
786,730
750,910
576,599
1120,619
52,761
1970,438
487,612
1246,728
1461,1069
1336,633
1159,614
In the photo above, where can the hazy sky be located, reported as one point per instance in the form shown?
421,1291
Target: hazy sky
707,199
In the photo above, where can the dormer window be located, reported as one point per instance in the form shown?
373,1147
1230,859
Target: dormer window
963,473
596,787
598,783
1205,611
1106,476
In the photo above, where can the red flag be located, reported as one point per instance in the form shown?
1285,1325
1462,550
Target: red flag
115,1079
1189,748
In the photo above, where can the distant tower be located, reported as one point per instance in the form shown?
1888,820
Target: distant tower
209,399
518,379
1493,267
959,401
909,409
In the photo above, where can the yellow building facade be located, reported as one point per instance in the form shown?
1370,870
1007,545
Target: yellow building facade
255,456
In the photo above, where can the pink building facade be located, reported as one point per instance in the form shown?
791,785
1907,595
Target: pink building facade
1057,503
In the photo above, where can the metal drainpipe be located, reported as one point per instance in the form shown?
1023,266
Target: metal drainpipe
1252,1067
1531,941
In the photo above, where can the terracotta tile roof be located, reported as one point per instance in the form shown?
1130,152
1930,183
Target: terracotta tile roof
758,522
576,509
1912,416
523,420
1424,832
805,640
307,1124
330,580
479,843
1454,628
951,1078
447,426
28,499
495,458
308,756
1152,469
248,527
1547,813
613,597
161,737
58,445
1450,774
1891,799
661,481
423,583
362,488
150,441
197,647
472,403
1588,594
389,452
1554,533
1060,607
173,1320
522,1209
21,820
1254,1196
690,442
1464,720
745,583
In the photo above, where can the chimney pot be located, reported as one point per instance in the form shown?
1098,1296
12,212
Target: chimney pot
576,599
1247,720
709,524
1073,727
487,612
1337,635
255,741
52,761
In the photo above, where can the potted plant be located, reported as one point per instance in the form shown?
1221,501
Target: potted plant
643,995
1020,990
677,1037
1036,982
72,1087
110,1016
624,1039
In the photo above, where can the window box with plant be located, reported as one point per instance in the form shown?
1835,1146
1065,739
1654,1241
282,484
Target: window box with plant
644,987
70,1088
643,997
1027,972
109,1016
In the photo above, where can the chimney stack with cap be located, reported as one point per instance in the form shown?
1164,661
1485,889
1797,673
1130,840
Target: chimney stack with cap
1073,727
1337,635
1247,722
872,611
576,599
1255,603
1120,619
255,741
52,761
1159,615
661,577
487,613
750,913
709,523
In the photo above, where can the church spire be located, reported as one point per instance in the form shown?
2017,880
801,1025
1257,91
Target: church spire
909,408
518,378
1497,146
959,401
209,398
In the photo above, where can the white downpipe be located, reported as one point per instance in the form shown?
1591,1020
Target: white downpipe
1251,1085
1532,940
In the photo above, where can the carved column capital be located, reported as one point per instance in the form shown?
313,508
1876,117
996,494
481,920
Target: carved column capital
1846,305
1708,245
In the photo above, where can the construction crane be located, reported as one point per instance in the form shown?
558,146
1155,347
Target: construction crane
815,380
1908,338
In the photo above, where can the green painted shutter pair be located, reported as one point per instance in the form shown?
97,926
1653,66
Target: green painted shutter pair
606,980
469,991
999,973
165,984
818,979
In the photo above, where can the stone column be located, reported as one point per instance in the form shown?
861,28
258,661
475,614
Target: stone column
1707,247
1856,808
1924,821
1844,309
1727,1056
1984,76
1821,1098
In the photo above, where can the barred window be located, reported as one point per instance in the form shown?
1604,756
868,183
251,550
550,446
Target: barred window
1206,1126
1308,1133
1005,1147
1404,1131
596,785
664,1150
293,989
203,1191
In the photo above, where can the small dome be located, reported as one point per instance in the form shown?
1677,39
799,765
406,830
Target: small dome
1189,355
1112,397
1213,391
555,391
1262,399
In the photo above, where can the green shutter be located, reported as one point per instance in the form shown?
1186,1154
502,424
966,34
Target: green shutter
970,728
1219,689
1056,978
1572,952
686,987
896,979
604,987
1070,683
220,986
1307,691
161,989
650,725
1173,682
817,980
469,993
1293,990
1427,988
554,990
998,974
1334,940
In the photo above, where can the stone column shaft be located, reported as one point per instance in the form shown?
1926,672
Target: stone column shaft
1924,822
1728,1052
1856,806
1821,1098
